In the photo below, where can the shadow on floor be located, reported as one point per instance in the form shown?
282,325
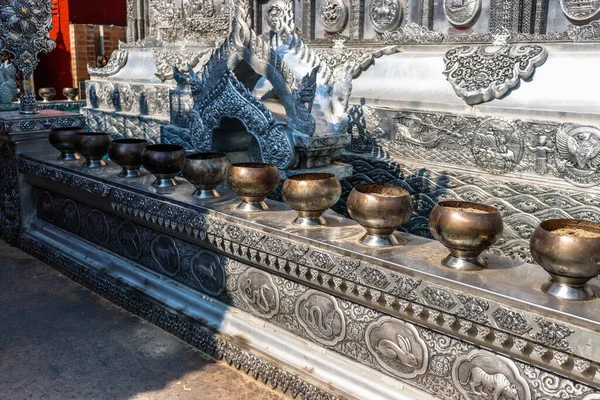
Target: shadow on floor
58,340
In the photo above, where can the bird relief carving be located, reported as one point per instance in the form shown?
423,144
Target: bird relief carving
578,154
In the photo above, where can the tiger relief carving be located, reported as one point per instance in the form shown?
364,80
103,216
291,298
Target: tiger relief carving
482,375
493,386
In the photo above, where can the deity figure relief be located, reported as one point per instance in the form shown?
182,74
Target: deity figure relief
385,15
541,154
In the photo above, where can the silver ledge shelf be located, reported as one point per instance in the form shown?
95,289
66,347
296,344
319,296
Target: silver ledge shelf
501,308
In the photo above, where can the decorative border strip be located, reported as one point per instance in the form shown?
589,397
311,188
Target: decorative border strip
208,342
521,334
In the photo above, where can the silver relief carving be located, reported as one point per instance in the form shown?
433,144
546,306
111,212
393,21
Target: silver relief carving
397,347
578,154
129,240
117,61
333,15
473,308
552,334
46,208
412,33
580,10
97,225
70,215
166,254
259,292
511,320
208,272
462,13
385,15
321,317
484,375
497,146
480,74
438,297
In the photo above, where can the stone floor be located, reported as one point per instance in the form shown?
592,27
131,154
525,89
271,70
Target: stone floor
60,341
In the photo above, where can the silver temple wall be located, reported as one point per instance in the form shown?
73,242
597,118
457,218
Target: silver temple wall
394,315
512,133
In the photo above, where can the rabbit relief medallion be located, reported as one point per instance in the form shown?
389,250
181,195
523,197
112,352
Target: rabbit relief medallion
397,347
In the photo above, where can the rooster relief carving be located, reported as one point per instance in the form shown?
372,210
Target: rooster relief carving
400,350
579,147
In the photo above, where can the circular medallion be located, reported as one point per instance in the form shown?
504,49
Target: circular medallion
70,215
397,347
462,13
165,253
46,206
334,15
208,272
129,240
580,10
98,226
321,317
385,15
259,292
497,146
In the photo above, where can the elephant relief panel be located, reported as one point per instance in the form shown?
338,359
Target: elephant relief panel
397,347
321,317
259,292
481,375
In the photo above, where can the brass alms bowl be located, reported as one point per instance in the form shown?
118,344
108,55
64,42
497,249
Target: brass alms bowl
569,250
310,195
466,229
253,182
63,140
47,93
70,93
205,171
127,153
92,146
380,209
164,161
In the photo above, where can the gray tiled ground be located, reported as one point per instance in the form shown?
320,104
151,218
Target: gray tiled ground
58,340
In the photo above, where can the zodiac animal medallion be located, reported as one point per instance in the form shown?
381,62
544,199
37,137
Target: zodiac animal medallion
334,15
321,317
397,347
462,13
385,15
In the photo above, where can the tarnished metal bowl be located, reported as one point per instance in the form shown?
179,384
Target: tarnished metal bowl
127,153
466,229
92,146
205,171
70,93
47,93
63,140
569,250
164,161
253,182
310,195
380,209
